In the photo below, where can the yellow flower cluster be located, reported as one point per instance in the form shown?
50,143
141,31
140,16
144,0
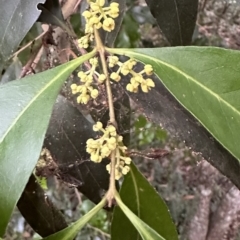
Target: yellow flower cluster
98,17
103,146
86,89
137,78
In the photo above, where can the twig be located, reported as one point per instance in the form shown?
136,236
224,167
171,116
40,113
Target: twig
101,50
45,30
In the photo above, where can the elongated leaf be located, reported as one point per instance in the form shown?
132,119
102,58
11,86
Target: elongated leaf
66,139
110,37
206,82
12,72
52,14
176,19
17,17
144,230
70,232
39,211
145,202
25,109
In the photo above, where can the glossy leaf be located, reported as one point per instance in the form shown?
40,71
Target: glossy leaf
16,21
146,232
52,14
205,81
110,37
39,211
162,108
176,19
66,139
25,110
128,35
70,232
145,202
13,71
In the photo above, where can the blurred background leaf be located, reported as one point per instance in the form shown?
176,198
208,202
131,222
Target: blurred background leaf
15,24
39,211
176,19
110,37
66,140
52,14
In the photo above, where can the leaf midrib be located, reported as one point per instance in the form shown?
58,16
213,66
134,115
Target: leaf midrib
134,54
33,100
186,76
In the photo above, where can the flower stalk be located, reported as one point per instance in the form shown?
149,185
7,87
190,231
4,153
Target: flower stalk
110,144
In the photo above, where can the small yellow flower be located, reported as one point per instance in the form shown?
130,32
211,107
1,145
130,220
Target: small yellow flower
81,74
83,42
114,10
148,69
83,98
94,93
115,76
94,61
82,89
120,138
95,7
150,82
108,167
95,158
144,87
127,160
101,78
98,25
112,130
113,60
101,3
112,144
96,127
118,174
125,170
129,87
105,151
108,24
114,5
147,84
112,140
138,79
94,20
89,141
125,70
87,14
74,88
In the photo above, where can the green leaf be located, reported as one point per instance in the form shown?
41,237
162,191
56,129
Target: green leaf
205,80
145,202
110,37
16,21
25,110
52,14
70,154
176,18
39,211
70,232
146,232
128,35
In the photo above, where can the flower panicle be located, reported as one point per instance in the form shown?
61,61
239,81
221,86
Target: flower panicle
102,148
85,89
98,16
137,78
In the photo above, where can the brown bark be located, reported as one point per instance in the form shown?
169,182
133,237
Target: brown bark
225,216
